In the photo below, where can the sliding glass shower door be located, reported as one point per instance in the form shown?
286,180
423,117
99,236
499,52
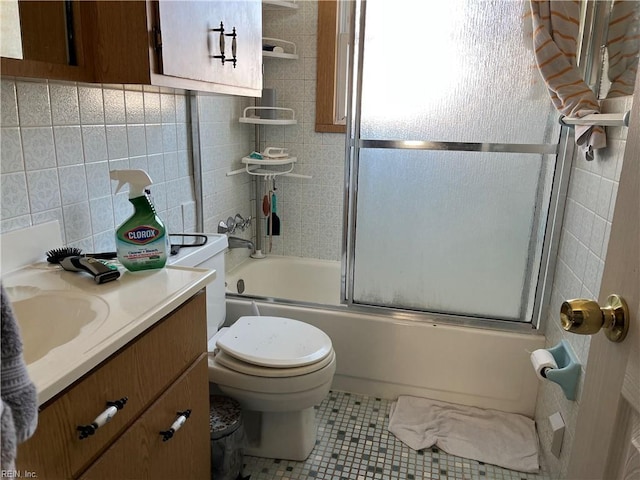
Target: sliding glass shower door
453,159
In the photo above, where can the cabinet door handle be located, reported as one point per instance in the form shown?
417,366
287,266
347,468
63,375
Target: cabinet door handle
175,426
233,36
221,30
102,419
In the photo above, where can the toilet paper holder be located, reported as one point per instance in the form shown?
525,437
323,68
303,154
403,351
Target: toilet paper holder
568,371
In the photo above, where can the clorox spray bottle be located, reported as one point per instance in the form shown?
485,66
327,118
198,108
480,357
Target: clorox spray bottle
141,241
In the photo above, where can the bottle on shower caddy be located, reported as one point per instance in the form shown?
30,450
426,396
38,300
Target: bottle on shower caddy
142,242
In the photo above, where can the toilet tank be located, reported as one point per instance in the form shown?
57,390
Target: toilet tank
210,256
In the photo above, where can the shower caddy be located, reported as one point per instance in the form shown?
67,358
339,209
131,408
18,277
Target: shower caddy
280,116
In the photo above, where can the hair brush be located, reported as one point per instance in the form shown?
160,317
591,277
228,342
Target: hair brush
58,254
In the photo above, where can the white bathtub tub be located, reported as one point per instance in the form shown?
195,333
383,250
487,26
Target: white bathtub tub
305,280
386,357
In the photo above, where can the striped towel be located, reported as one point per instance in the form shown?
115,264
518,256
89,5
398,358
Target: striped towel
556,27
623,47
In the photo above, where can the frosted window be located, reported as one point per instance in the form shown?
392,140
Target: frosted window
448,231
453,71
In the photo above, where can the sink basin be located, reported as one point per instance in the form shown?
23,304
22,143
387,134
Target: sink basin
51,318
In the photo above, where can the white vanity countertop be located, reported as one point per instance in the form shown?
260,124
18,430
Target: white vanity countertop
134,302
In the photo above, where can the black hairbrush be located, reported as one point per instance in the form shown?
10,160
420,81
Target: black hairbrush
58,254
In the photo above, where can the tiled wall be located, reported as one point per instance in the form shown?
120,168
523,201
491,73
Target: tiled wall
310,210
223,142
583,247
59,141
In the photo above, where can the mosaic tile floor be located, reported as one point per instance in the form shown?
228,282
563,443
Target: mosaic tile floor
354,444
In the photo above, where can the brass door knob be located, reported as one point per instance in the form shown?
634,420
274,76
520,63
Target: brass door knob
585,317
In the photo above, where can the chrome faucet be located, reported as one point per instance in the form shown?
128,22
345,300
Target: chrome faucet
236,242
233,223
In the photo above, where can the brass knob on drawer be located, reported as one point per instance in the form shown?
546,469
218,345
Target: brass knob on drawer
585,317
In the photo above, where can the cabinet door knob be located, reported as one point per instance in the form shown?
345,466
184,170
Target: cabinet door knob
102,419
175,426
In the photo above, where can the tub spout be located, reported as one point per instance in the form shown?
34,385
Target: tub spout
235,242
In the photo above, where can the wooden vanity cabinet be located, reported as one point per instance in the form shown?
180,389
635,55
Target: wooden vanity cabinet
166,43
181,456
162,372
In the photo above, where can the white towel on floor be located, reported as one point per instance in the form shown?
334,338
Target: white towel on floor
504,439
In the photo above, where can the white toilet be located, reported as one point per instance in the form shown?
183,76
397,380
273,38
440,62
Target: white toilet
277,368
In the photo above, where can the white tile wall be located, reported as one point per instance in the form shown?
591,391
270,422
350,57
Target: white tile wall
583,247
59,140
55,134
223,142
310,211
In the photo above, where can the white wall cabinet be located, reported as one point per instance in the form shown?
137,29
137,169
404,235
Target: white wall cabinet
196,36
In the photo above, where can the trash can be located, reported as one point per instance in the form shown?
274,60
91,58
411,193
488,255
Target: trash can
227,437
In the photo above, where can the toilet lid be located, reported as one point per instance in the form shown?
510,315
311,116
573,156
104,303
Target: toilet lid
275,342
236,365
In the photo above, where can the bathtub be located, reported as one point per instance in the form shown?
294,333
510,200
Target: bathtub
383,356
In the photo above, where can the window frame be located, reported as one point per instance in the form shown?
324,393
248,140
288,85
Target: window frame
327,68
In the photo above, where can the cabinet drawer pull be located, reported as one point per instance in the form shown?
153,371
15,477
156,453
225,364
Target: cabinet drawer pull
102,419
221,30
175,426
233,36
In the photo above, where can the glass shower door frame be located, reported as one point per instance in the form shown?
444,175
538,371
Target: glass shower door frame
539,286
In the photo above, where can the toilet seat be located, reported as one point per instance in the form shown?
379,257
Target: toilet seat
234,364
227,378
275,342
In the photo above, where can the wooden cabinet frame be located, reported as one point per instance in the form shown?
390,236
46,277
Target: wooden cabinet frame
83,72
326,68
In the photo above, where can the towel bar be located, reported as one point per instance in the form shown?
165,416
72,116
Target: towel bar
600,119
